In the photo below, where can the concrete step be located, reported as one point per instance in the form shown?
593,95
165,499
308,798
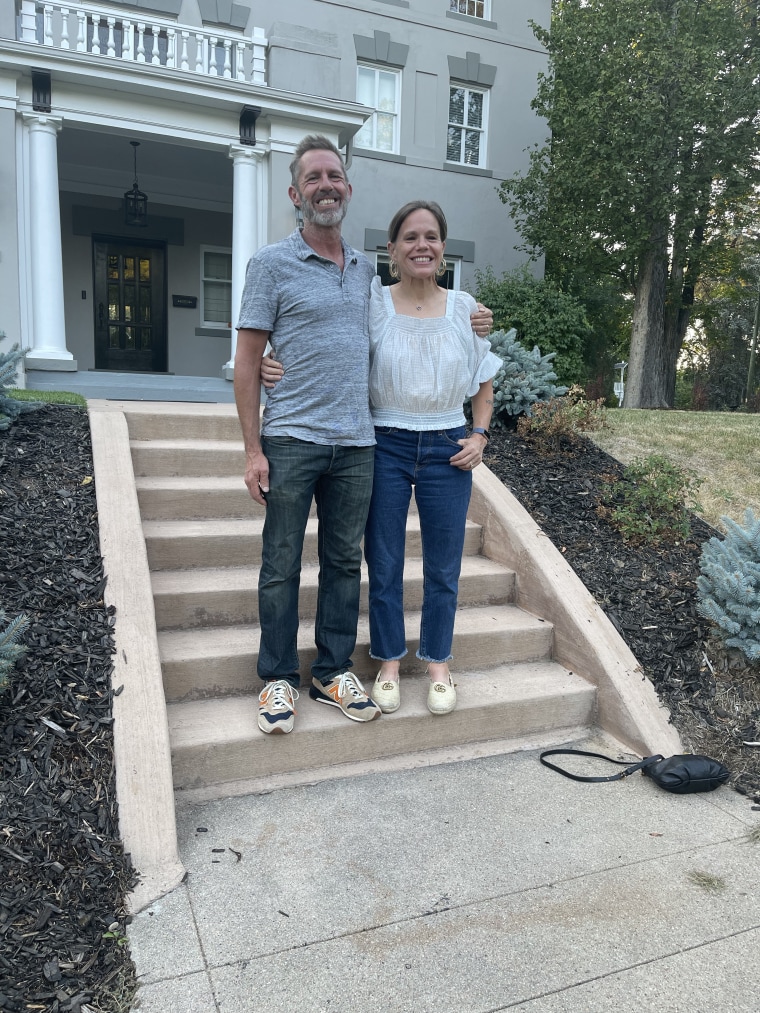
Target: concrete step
219,660
226,596
228,541
187,457
218,741
174,497
169,497
183,422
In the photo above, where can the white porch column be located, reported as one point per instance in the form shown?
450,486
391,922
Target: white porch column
48,349
248,217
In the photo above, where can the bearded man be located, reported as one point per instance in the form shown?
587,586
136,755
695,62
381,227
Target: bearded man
309,296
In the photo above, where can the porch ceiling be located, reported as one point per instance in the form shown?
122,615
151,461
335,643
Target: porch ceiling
101,162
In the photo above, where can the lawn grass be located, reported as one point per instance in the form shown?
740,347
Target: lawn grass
47,396
721,448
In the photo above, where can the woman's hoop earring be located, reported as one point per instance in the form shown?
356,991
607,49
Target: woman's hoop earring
442,268
393,269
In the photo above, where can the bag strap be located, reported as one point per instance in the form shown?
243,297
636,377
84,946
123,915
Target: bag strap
629,768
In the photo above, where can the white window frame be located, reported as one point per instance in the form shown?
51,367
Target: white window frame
483,129
205,322
372,121
454,263
480,9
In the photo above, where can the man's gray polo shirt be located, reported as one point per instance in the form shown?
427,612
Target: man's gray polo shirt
318,319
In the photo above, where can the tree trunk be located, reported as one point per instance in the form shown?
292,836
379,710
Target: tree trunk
685,267
649,360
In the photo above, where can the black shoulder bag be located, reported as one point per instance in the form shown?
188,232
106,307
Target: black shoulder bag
678,774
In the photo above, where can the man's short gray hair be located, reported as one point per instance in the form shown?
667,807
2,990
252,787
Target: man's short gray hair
313,142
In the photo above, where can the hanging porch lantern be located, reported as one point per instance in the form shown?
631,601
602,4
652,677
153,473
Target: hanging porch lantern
135,201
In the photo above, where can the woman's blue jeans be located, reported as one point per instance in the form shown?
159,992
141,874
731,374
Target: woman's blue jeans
339,479
403,459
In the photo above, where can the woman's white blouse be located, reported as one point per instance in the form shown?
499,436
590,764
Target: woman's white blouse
422,370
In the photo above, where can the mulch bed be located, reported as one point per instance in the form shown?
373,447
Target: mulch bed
649,594
64,876
63,872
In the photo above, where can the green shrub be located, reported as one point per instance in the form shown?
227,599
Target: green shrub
562,418
649,504
525,379
541,313
10,651
10,408
729,585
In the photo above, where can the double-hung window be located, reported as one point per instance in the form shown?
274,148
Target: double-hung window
380,89
216,286
468,112
471,8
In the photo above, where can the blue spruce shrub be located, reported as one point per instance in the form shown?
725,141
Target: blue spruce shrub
729,587
10,651
10,408
525,378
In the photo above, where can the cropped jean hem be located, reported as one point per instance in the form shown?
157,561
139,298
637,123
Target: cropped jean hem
398,657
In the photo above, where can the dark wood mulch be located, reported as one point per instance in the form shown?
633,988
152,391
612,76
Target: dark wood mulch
649,594
63,872
64,876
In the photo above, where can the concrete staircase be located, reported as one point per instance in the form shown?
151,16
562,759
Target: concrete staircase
203,538
180,540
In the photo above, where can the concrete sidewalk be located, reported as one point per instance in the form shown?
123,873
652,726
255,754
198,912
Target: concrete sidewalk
468,887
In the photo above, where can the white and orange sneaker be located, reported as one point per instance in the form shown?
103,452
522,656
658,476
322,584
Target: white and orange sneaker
345,691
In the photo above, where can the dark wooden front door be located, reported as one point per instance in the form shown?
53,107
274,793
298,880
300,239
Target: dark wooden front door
130,306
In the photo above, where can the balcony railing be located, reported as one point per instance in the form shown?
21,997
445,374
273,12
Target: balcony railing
103,31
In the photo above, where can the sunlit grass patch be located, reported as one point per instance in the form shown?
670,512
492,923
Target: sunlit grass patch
722,448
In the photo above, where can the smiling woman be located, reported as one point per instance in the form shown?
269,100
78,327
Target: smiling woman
425,360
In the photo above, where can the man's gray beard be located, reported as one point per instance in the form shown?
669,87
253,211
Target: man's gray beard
324,218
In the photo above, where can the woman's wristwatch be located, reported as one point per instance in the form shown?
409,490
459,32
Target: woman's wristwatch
482,432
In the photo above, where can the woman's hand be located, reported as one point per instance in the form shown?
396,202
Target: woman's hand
482,321
271,371
471,454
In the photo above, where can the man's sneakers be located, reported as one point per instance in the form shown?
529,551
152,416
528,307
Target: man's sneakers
345,691
276,710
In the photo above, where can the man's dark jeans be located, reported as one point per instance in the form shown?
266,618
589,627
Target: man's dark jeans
339,479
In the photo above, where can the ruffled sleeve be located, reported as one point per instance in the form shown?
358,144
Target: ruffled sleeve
484,364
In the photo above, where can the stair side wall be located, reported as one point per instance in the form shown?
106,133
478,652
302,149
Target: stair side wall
585,641
141,733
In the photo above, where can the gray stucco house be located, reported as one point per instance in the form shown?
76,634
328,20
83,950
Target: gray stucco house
198,105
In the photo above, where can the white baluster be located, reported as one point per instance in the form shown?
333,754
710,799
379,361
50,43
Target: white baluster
127,28
213,72
183,62
95,35
111,45
64,43
239,61
141,42
227,63
199,45
47,31
81,31
154,57
171,47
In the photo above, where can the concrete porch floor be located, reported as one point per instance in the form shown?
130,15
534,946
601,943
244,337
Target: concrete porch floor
133,386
